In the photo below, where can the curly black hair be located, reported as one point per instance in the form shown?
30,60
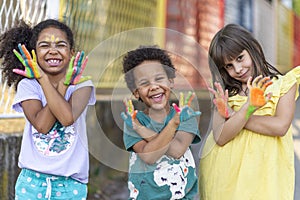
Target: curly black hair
23,33
145,53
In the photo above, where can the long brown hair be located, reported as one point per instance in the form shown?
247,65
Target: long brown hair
227,44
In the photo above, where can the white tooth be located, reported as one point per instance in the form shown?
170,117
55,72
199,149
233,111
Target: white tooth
53,61
158,95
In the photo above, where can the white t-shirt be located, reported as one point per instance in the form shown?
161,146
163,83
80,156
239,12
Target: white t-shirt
64,150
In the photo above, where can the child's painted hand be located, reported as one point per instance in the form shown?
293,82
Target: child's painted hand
75,70
130,115
220,100
32,70
186,112
257,98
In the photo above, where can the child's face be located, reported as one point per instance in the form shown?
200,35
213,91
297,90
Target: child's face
241,67
153,85
53,51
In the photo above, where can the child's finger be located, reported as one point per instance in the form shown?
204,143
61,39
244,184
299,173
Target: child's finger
77,65
20,72
134,115
26,56
21,50
181,99
124,116
78,78
84,63
262,81
212,91
19,57
256,81
188,98
125,104
267,84
226,94
177,109
130,106
69,73
26,52
269,96
35,68
76,59
191,99
70,68
80,59
219,87
249,82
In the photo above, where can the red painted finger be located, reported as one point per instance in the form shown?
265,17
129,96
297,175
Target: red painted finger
177,109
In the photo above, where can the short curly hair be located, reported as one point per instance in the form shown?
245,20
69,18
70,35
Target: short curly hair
146,53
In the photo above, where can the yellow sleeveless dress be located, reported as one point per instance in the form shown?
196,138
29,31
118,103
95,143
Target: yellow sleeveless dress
251,166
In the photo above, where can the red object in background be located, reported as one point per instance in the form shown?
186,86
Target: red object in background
296,49
200,20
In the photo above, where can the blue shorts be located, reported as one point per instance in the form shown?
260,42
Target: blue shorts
34,185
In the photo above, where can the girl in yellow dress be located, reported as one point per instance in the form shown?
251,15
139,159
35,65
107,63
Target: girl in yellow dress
249,155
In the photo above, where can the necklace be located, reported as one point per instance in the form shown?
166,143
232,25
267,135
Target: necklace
245,91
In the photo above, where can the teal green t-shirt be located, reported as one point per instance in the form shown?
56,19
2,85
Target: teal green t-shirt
168,178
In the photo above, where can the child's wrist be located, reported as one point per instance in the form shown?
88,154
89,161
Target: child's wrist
174,122
138,127
44,78
230,114
250,110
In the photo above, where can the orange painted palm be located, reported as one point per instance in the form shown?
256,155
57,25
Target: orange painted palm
222,107
257,93
220,100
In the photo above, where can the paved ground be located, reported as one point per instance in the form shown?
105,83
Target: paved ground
296,133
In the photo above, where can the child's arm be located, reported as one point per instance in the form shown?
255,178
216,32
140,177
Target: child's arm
66,112
228,130
151,151
225,131
221,101
278,124
162,143
40,117
57,108
226,123
178,145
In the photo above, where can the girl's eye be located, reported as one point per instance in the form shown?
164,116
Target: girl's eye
228,66
239,58
61,45
44,45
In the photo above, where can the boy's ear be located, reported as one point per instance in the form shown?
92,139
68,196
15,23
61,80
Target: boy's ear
136,94
171,83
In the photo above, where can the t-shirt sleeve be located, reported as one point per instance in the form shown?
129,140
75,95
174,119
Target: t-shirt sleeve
88,83
288,80
191,126
27,89
130,137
